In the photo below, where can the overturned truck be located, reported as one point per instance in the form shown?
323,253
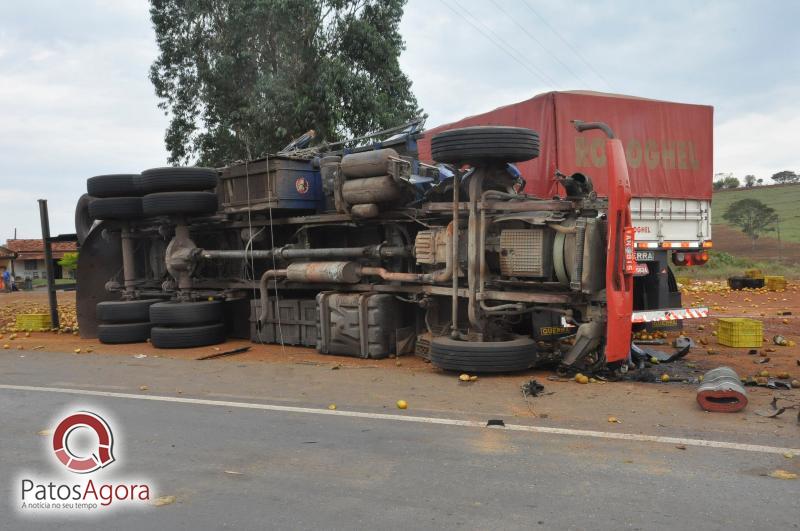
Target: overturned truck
366,251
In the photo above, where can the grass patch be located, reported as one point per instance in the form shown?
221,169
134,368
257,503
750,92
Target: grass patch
722,265
39,282
784,199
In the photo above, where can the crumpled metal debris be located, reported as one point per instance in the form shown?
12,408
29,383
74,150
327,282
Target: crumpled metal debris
775,411
683,341
645,354
532,388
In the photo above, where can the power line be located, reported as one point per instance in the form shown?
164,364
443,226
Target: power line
521,55
565,41
529,34
540,75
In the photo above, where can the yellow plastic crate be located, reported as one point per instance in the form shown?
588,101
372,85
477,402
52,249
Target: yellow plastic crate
33,321
740,332
753,273
774,283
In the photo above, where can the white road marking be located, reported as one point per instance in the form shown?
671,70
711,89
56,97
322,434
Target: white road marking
422,420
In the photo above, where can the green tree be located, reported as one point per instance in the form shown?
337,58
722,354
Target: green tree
69,261
786,176
245,77
752,216
731,183
718,185
749,181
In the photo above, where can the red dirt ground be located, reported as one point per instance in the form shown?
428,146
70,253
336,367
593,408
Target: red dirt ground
767,249
759,304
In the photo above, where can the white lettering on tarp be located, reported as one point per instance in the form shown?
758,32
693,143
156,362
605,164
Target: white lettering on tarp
668,154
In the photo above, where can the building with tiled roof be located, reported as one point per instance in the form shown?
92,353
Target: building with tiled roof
28,257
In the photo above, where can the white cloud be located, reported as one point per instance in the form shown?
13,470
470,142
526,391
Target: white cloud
758,144
73,107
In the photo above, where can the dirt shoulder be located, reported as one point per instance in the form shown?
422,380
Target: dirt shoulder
293,374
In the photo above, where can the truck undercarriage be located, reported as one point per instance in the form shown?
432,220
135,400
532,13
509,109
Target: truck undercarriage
365,251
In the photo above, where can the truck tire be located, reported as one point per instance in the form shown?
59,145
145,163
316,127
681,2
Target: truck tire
186,179
175,203
115,185
485,145
125,311
187,336
123,332
737,283
83,220
122,208
491,356
753,283
186,313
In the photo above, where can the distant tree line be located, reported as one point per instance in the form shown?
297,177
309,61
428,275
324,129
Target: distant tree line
726,181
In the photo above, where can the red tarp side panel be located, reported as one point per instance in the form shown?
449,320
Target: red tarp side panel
669,146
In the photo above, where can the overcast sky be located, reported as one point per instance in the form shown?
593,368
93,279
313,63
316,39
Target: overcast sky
75,100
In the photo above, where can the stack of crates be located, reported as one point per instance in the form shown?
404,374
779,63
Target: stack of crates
34,321
740,332
753,273
775,283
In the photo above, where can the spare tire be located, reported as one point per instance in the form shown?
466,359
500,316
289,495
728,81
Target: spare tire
186,179
125,311
186,313
114,185
736,283
116,208
123,332
490,356
485,145
754,283
177,203
83,220
188,336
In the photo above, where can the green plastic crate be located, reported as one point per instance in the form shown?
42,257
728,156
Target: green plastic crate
740,332
33,321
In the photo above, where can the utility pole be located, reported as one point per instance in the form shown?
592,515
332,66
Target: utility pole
48,261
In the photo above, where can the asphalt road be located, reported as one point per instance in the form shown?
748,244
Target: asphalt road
241,468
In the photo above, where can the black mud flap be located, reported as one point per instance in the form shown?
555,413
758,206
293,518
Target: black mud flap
99,260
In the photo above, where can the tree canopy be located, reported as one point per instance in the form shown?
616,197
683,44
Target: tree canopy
69,261
786,176
726,181
752,216
240,79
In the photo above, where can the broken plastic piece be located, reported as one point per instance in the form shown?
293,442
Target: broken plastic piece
721,391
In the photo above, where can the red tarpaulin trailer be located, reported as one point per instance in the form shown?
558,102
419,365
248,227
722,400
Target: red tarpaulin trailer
668,145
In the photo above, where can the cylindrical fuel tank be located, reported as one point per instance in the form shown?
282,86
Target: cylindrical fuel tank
367,163
370,190
365,211
343,272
